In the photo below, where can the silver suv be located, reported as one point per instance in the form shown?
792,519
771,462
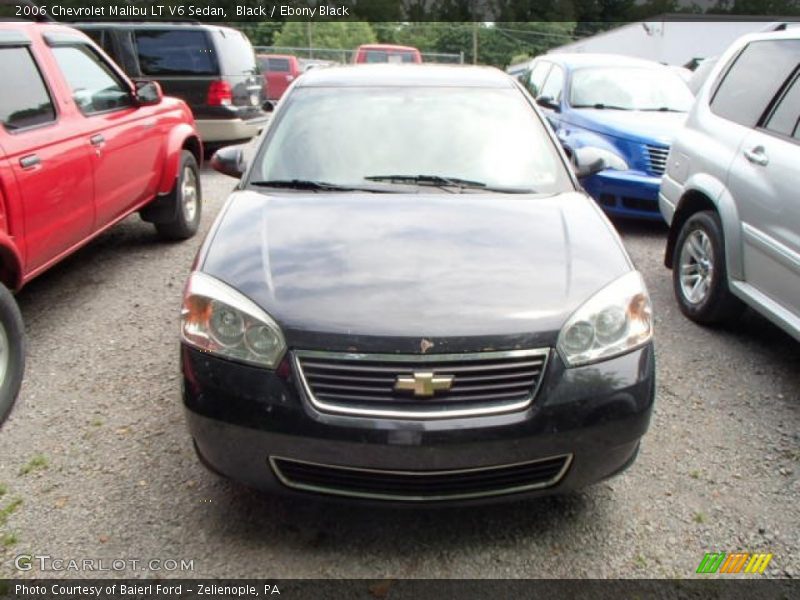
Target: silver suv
731,191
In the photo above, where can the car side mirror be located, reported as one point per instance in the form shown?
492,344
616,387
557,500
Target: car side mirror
268,106
229,161
148,93
547,102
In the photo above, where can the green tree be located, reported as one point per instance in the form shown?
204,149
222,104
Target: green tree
453,10
757,7
260,34
325,34
424,36
616,11
530,38
376,10
498,43
532,10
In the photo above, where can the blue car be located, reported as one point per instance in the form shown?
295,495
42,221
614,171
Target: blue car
626,110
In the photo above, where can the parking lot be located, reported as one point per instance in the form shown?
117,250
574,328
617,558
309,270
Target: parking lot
98,454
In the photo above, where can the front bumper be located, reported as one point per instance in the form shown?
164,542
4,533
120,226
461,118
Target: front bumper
230,130
668,195
625,193
242,417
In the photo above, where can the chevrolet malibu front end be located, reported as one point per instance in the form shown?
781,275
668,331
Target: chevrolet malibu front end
408,299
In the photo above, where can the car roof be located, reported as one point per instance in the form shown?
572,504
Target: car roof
161,25
387,47
790,33
577,60
424,75
34,26
30,29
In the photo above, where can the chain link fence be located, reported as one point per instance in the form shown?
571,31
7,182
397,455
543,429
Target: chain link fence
338,56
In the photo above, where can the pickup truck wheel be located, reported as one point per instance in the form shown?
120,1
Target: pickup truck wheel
699,274
185,202
12,352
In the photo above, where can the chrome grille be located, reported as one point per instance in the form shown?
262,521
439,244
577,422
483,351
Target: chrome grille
420,486
483,383
657,157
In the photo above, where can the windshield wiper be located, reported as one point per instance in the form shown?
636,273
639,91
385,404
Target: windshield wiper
434,180
446,183
314,186
661,109
601,106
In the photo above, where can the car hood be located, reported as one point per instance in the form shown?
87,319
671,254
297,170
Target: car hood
639,126
464,271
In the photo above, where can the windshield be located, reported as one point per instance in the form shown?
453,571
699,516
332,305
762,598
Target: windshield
382,56
630,88
174,52
235,53
351,136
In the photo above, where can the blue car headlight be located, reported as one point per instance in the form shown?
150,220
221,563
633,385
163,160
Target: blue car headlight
612,160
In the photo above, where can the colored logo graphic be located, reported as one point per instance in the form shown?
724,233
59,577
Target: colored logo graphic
738,562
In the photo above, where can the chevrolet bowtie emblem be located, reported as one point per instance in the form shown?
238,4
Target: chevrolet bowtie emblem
423,384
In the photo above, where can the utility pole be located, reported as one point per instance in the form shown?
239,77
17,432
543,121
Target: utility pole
475,43
310,40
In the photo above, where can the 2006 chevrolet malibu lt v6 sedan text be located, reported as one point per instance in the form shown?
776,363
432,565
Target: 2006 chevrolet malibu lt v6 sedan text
408,298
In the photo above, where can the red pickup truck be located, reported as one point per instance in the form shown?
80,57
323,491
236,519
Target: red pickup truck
382,53
279,71
81,147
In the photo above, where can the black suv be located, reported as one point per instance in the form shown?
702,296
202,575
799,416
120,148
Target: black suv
213,69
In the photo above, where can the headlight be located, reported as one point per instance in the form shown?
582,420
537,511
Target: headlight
611,160
216,318
617,319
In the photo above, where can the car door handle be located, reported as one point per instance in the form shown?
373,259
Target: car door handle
97,140
757,156
30,161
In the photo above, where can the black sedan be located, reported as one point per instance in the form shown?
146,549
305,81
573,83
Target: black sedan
409,298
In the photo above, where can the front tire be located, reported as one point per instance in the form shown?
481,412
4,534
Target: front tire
183,202
699,273
12,352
